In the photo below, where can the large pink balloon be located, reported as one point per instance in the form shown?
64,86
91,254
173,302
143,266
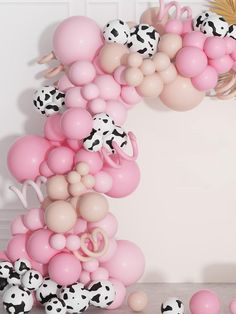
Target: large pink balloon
26,155
16,247
77,38
127,264
125,179
38,246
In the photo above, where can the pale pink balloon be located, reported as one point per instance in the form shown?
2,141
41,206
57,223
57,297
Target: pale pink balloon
119,75
16,247
81,73
84,277
74,144
109,224
93,159
103,182
17,226
230,44
97,106
127,264
73,242
90,91
110,252
76,123
120,294
74,98
130,96
52,128
34,219
60,160
100,274
64,269
174,26
215,47
91,265
204,302
109,88
168,75
77,38
80,226
125,179
223,64
194,39
38,246
26,155
58,241
117,111
64,84
206,80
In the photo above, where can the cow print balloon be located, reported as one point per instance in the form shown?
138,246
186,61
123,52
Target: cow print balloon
116,31
55,306
215,25
14,278
144,39
47,290
93,142
232,31
199,19
5,269
49,100
103,123
22,265
119,136
32,280
172,306
102,293
76,298
17,300
3,285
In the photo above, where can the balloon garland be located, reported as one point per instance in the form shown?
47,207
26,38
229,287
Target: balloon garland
82,155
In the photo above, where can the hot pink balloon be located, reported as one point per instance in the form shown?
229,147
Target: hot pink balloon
60,160
125,179
17,226
109,88
93,159
34,219
16,247
64,269
206,80
127,264
120,294
77,38
26,155
38,246
109,224
52,128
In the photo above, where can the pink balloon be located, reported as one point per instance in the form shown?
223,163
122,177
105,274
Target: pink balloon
204,302
16,247
80,226
38,246
190,61
100,274
77,38
119,75
60,160
120,294
73,242
81,73
103,182
93,159
90,91
187,26
215,47
91,265
74,98
127,264
117,111
109,88
58,241
64,269
109,224
206,80
76,123
194,39
84,277
230,45
17,226
130,96
223,64
174,26
44,170
52,128
125,179
232,307
97,106
43,269
74,144
34,219
110,252
64,83
26,155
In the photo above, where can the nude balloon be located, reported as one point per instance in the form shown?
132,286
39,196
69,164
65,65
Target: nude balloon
170,44
77,38
181,95
151,86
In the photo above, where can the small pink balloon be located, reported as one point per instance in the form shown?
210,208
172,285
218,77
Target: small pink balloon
204,302
93,159
230,45
17,226
120,294
232,307
60,160
129,95
109,88
38,246
64,84
84,277
90,91
64,269
76,123
81,73
72,242
109,224
103,182
174,26
77,38
127,264
80,226
74,98
100,274
16,247
97,65
91,265
117,111
206,80
52,128
26,155
223,64
44,170
97,106
119,75
58,241
34,219
194,39
190,61
74,144
110,252
215,47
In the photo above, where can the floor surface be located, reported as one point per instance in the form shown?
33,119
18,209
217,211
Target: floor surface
157,293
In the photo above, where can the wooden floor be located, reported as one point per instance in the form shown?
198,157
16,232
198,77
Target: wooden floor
159,292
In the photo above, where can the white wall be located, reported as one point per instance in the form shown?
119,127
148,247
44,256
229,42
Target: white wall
183,213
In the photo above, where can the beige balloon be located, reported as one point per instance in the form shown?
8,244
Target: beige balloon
151,86
168,75
148,67
57,188
134,60
133,76
170,44
181,95
137,301
110,56
161,61
93,206
76,189
150,17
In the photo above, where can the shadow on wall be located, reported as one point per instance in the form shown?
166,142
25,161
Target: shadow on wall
220,273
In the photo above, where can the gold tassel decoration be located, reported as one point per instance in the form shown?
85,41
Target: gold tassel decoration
225,8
